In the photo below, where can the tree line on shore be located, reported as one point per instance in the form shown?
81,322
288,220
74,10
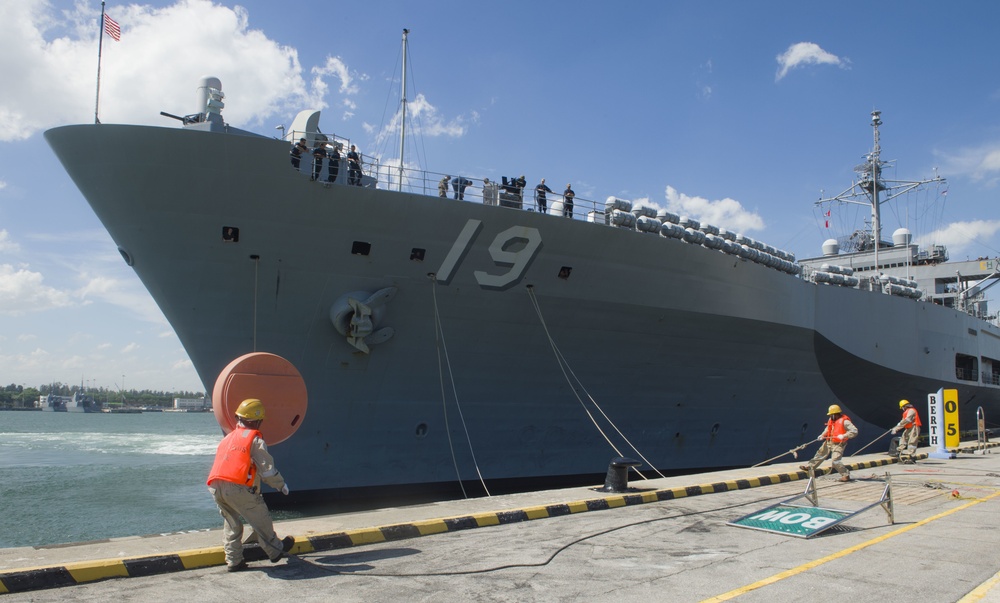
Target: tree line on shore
19,396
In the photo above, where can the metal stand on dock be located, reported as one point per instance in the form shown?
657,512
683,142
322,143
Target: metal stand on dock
792,519
982,438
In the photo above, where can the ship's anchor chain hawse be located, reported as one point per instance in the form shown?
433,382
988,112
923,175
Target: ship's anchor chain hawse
356,315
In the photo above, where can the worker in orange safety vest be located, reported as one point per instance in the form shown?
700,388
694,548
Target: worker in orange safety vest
838,430
241,463
910,425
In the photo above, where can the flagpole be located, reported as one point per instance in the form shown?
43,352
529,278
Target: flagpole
100,45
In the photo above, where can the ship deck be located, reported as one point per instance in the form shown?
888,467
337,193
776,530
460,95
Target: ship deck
663,535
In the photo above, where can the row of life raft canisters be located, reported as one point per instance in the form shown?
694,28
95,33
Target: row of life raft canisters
622,214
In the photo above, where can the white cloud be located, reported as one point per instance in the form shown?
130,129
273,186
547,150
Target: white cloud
423,120
33,359
724,213
3,184
130,348
22,291
703,87
981,164
806,53
156,65
6,245
960,236
128,295
335,66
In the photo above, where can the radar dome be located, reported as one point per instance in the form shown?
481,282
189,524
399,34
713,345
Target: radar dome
831,247
901,237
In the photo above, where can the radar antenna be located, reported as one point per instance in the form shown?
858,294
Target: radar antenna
871,189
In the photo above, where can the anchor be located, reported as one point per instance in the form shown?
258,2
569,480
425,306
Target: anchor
356,315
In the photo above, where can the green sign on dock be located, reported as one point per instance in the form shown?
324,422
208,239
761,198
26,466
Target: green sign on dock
803,522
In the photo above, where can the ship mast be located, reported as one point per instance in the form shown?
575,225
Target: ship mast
870,189
876,172
402,121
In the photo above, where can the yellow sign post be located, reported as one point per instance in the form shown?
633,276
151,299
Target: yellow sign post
942,429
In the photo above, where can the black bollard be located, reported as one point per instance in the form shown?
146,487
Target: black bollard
617,478
893,446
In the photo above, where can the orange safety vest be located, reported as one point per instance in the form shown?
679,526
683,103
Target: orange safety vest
836,428
915,421
232,460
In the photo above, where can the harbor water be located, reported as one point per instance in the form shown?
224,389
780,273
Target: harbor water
69,477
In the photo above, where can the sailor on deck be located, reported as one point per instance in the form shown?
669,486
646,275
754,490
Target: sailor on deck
540,200
353,167
319,153
295,154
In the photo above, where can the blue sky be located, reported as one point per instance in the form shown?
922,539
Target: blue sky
737,113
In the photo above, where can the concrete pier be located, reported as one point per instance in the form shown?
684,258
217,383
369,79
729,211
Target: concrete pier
662,538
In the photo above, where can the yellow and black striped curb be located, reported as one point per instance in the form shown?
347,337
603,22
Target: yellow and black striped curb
21,580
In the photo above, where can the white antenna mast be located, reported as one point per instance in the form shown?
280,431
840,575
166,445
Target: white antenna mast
872,190
402,121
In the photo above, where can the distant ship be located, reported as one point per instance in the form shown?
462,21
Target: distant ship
471,342
78,402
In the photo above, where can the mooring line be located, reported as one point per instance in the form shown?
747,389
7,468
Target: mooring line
442,346
567,371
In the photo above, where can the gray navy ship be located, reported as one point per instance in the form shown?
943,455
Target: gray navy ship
470,341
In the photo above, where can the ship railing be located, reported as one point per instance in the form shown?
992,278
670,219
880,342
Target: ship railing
488,191
966,374
502,192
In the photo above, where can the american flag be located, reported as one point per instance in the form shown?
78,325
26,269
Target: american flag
112,29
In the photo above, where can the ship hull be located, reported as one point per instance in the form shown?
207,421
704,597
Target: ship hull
507,325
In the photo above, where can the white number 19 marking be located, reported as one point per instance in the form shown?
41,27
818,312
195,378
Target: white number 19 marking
517,260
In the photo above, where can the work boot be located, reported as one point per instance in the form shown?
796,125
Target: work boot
239,567
804,468
845,478
286,545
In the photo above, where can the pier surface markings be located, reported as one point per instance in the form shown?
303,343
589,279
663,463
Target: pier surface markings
843,553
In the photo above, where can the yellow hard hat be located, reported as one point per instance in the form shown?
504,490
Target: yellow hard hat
903,403
251,409
833,410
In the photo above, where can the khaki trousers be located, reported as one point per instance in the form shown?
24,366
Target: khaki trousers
237,501
908,440
835,452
